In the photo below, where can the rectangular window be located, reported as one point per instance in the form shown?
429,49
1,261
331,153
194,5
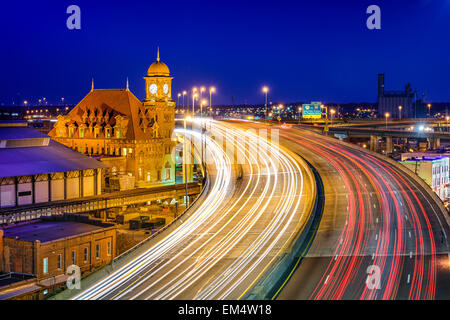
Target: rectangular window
45,265
86,254
168,174
74,257
109,248
97,251
59,263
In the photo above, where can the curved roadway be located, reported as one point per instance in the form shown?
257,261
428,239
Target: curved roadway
230,238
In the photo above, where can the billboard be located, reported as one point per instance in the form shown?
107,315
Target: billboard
312,110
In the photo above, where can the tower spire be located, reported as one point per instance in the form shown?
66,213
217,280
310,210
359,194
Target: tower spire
128,87
92,88
157,57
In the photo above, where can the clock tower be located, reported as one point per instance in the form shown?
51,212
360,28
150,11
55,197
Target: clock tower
159,114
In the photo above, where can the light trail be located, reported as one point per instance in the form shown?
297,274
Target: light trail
387,224
231,238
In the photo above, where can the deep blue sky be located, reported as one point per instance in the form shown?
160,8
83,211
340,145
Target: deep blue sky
303,50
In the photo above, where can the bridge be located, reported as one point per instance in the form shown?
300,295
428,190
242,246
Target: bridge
99,202
375,131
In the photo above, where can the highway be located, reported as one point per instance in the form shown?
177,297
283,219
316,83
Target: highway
376,220
259,197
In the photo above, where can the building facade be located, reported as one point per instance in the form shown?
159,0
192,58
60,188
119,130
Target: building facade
47,247
390,101
131,137
433,170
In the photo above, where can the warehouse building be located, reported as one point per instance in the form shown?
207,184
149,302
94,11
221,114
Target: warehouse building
45,248
36,169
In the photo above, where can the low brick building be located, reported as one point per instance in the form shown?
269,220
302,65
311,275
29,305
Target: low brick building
46,247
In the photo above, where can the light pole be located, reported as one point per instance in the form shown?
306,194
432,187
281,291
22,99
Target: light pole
386,115
202,103
184,93
332,112
194,96
178,101
202,89
265,90
400,112
185,164
429,110
300,109
211,91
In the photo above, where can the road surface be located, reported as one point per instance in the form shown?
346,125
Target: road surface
377,220
259,198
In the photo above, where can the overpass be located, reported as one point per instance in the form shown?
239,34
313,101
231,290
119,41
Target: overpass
374,134
99,202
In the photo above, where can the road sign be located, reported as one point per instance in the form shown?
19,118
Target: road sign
312,111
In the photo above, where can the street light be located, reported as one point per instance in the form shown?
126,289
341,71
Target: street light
211,91
202,89
386,116
202,103
178,102
332,112
400,112
184,93
194,96
265,90
186,201
429,110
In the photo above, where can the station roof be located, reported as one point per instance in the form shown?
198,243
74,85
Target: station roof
18,133
46,231
43,159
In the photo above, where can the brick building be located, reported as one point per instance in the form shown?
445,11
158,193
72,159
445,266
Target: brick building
46,247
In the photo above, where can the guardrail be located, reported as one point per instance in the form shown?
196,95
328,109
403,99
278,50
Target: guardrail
269,287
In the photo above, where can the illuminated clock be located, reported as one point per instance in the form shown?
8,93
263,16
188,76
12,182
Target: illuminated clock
166,88
153,88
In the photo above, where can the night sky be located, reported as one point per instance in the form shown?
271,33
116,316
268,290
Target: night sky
303,50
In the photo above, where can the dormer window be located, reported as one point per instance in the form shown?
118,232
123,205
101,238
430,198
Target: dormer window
71,131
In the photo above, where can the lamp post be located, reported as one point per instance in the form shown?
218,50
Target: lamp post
429,110
386,115
202,89
202,103
265,90
211,91
300,109
185,164
400,112
184,93
332,112
178,101
194,96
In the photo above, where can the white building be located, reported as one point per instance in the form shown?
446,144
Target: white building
433,170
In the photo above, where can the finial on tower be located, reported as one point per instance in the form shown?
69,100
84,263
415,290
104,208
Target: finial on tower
92,88
128,87
157,57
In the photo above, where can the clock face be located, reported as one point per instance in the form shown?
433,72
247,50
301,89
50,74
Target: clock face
153,88
166,88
